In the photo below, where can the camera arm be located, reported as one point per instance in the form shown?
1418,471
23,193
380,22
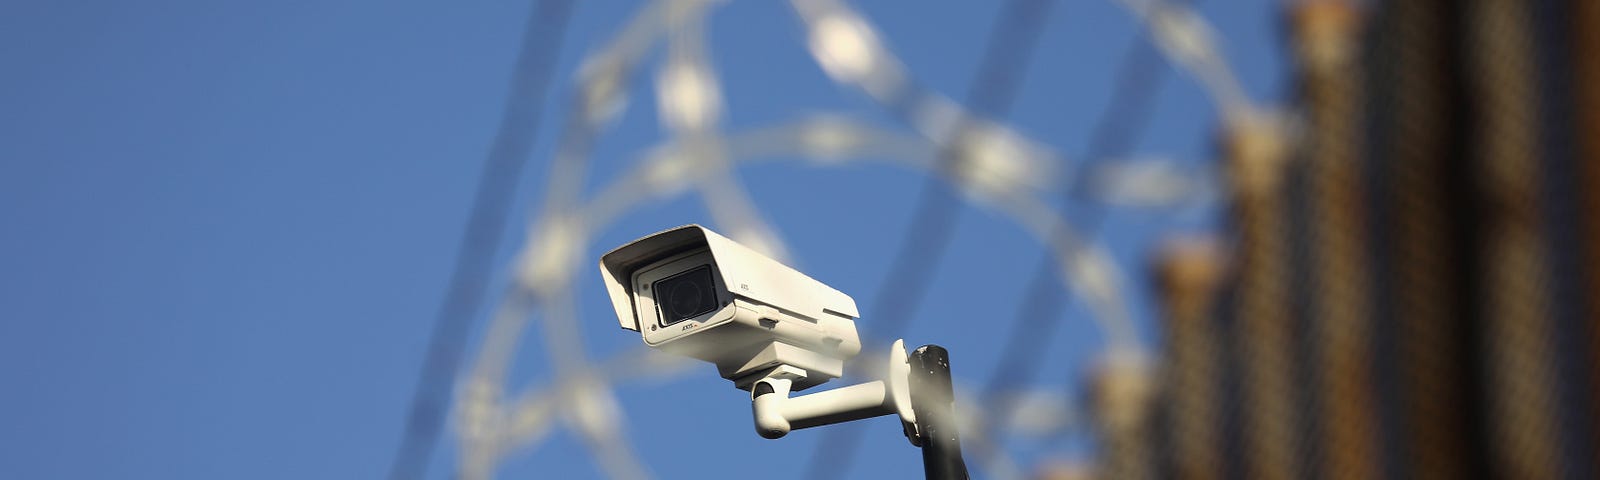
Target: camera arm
776,413
916,383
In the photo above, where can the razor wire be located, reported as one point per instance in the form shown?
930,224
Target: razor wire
1001,173
1011,41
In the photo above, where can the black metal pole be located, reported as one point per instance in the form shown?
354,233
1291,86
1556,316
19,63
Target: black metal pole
933,399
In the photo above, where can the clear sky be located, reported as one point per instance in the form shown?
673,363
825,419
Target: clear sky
225,226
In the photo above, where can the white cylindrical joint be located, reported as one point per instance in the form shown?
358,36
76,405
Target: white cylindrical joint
767,400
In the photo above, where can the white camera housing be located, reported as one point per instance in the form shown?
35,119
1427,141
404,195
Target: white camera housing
729,305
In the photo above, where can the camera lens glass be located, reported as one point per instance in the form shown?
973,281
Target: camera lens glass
686,295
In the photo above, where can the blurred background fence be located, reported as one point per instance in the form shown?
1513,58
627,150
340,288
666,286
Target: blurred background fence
1410,287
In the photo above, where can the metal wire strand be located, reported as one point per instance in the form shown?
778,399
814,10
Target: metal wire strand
542,39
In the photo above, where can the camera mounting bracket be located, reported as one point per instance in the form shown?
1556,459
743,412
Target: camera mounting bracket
776,413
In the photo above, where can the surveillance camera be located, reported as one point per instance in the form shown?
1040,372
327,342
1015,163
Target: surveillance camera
773,331
692,292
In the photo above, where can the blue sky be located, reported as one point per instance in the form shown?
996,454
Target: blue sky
225,226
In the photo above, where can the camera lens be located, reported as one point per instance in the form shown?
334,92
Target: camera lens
686,295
